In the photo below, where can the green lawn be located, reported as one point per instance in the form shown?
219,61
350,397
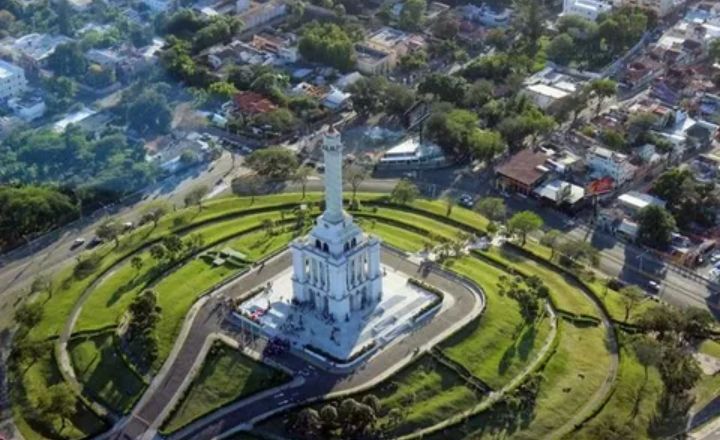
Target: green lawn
176,294
634,400
564,292
710,347
435,229
496,346
29,383
395,236
427,392
259,244
570,378
104,375
226,375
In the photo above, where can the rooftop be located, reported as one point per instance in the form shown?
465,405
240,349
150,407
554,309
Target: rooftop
253,103
526,167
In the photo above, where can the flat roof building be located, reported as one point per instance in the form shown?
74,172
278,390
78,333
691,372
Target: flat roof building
12,80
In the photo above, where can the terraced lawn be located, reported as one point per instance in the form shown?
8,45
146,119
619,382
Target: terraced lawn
497,345
34,382
564,292
226,375
104,375
176,294
259,244
634,399
395,236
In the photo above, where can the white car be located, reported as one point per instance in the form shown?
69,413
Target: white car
77,243
654,286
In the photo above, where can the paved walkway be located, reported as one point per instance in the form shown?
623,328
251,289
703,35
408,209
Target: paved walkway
317,384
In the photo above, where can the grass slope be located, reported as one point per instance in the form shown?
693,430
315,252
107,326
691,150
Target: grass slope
226,375
104,375
496,346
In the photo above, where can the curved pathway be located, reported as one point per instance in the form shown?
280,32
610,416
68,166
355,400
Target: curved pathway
467,304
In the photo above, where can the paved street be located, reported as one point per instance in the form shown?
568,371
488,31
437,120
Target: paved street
317,383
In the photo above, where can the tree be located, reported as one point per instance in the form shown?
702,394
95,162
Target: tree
327,44
157,251
447,88
154,211
301,176
551,239
67,60
328,417
195,195
59,402
149,113
398,99
492,207
655,226
601,89
404,192
630,297
306,423
355,175
562,49
273,162
368,94
450,203
137,263
714,50
173,245
109,230
194,243
412,14
523,223
647,351
144,315
529,23
29,314
41,283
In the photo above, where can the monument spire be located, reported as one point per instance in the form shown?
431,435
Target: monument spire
332,148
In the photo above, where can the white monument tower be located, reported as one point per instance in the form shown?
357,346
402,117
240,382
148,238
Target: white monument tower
336,268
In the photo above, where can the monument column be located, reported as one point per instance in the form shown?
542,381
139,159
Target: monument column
332,148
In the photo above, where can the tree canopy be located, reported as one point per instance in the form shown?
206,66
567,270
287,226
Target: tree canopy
273,162
328,44
655,226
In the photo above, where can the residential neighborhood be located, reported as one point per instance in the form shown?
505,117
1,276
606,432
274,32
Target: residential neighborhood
327,219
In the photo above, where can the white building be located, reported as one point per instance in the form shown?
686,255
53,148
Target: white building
12,80
589,9
158,5
254,14
27,109
336,268
607,163
548,86
487,15
35,48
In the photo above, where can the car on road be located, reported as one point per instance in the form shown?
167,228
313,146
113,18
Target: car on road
94,242
466,201
654,286
77,243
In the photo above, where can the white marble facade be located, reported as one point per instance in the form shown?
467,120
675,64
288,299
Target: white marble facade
336,268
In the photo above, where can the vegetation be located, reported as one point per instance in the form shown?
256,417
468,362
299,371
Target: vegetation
327,44
655,226
226,375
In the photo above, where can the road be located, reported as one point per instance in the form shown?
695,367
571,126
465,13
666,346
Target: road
20,267
465,305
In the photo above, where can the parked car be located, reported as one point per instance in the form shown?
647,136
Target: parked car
94,242
466,201
654,286
77,243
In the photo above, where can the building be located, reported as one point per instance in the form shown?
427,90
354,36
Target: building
549,86
371,61
12,80
275,43
607,163
632,202
251,103
412,154
660,7
524,171
561,194
336,99
34,49
158,5
336,268
255,14
589,9
105,58
486,15
27,109
396,42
